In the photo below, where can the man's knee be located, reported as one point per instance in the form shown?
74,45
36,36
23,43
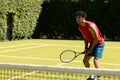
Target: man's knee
85,61
96,60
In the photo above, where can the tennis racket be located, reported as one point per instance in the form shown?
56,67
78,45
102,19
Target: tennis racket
69,55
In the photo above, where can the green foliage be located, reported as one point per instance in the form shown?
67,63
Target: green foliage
24,14
57,19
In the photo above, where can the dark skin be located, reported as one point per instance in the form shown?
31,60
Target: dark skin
94,36
81,21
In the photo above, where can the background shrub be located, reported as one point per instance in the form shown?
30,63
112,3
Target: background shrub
18,18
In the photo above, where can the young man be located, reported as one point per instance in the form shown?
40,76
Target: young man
93,39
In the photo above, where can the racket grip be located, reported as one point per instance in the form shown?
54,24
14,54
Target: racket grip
83,52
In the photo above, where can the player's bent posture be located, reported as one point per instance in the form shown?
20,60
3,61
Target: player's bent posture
93,39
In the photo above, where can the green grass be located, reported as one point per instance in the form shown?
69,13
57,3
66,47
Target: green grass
46,52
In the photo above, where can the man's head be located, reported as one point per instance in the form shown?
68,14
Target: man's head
80,17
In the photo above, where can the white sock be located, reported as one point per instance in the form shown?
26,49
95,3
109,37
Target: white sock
92,76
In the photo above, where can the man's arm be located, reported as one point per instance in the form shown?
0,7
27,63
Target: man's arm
95,39
85,42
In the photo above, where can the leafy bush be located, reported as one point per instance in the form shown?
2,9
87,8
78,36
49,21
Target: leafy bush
23,15
57,19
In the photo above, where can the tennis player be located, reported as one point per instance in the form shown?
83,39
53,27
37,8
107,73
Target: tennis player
93,39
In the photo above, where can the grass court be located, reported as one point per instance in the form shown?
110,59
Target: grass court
46,52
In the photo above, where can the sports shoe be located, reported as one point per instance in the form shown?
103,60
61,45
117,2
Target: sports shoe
91,79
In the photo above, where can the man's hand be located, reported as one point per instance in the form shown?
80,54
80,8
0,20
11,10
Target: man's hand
88,51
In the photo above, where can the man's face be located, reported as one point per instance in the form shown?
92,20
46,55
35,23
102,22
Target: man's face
79,19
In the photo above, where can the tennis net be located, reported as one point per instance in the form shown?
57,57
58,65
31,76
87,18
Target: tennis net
40,72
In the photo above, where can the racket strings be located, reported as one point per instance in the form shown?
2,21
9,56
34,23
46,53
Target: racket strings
68,56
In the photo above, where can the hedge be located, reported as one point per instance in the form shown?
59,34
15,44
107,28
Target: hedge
57,20
18,18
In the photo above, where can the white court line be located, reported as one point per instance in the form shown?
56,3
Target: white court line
112,47
60,64
24,48
16,77
79,45
117,47
15,45
42,58
43,45
33,58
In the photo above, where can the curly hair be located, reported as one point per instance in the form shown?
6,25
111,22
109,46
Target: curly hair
81,13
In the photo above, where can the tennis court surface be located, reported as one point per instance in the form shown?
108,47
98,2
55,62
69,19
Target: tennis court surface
39,60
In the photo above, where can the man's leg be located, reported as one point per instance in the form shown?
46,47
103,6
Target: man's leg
87,65
86,61
97,62
98,51
97,65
